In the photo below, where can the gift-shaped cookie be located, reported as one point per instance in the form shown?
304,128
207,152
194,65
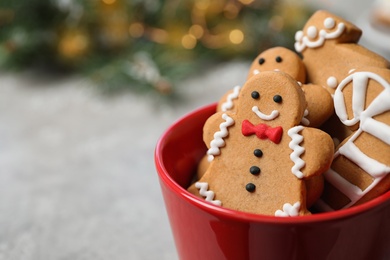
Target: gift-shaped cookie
361,166
259,154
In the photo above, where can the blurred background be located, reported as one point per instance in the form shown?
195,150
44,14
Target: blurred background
88,86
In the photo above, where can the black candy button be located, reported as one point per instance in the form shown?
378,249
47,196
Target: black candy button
277,98
254,170
250,187
258,153
261,61
278,59
255,95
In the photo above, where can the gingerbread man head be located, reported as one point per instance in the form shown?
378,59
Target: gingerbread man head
279,59
275,99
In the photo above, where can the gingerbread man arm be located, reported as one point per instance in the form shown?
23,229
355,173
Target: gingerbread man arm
319,104
228,100
307,158
216,130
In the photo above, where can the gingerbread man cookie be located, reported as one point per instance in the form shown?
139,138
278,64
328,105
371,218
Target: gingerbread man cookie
260,155
319,101
329,47
361,165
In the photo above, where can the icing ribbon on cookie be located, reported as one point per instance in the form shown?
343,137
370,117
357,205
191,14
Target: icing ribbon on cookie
262,131
351,151
208,194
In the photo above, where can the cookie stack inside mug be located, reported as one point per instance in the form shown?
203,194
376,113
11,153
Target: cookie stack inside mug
310,128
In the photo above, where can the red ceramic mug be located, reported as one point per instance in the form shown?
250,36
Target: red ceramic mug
205,231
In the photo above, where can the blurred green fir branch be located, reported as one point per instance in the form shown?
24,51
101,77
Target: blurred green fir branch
140,45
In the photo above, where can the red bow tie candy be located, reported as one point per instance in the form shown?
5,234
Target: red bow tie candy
262,131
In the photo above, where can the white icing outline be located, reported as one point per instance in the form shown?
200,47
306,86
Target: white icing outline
366,163
329,23
332,82
298,150
302,41
312,32
304,120
360,79
289,210
228,104
274,114
208,194
218,141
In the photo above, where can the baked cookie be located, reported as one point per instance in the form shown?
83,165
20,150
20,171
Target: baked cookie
329,48
361,165
319,101
260,155
281,59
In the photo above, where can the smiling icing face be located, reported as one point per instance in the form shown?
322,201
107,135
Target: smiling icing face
272,98
279,59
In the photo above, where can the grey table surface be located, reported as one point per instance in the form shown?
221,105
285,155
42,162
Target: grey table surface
77,176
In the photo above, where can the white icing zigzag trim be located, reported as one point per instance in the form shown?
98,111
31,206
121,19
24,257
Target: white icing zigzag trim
298,150
302,41
289,210
304,120
228,104
218,141
208,194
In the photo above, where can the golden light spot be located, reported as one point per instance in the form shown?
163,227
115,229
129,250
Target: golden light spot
202,4
159,35
109,2
188,41
136,30
73,44
231,11
197,31
236,36
246,2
